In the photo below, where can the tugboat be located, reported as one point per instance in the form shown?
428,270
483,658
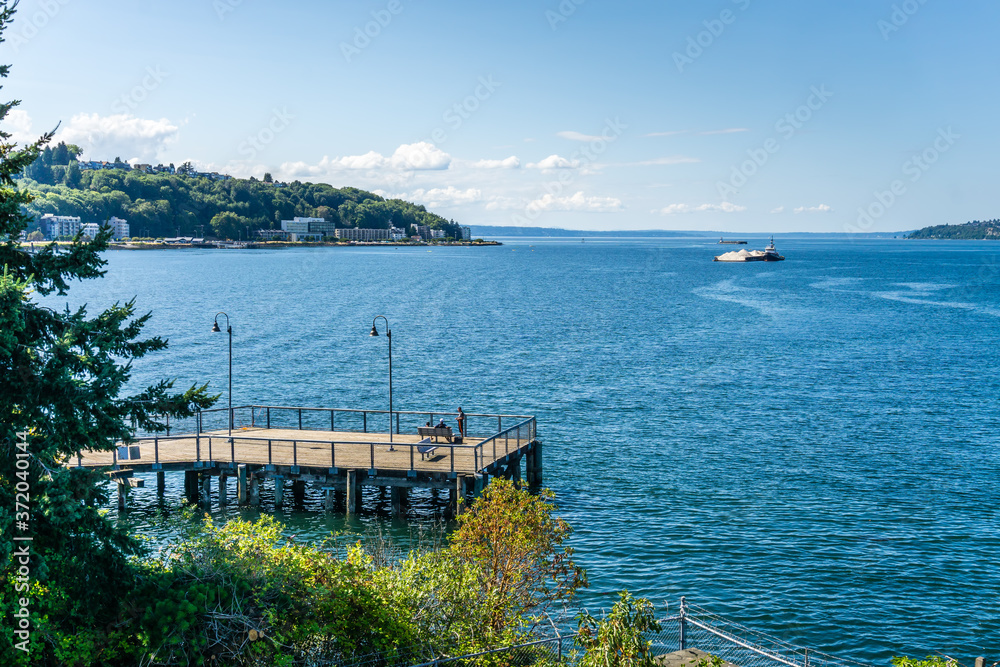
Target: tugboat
768,254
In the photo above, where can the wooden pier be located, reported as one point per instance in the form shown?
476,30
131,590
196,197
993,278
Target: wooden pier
340,451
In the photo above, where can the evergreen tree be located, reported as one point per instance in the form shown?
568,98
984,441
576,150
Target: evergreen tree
61,374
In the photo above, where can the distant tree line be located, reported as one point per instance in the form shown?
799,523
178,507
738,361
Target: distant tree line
973,230
162,205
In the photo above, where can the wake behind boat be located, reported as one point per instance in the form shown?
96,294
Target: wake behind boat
768,254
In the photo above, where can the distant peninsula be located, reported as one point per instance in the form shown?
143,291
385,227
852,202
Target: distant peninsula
163,201
976,230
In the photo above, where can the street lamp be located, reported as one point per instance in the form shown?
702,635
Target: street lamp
229,330
388,334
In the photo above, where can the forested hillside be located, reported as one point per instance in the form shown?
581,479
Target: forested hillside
187,205
975,230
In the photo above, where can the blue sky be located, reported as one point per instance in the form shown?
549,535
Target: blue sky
739,115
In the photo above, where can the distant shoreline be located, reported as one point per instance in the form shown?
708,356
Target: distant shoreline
267,245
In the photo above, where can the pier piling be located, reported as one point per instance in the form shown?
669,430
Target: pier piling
241,484
205,497
161,483
399,498
353,492
253,489
191,486
279,491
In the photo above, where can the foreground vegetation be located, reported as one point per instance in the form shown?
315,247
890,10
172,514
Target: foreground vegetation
246,594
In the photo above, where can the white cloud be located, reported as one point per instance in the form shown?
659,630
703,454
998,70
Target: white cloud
435,197
578,136
780,209
554,162
370,160
724,207
728,130
576,202
421,155
507,163
119,135
19,126
822,208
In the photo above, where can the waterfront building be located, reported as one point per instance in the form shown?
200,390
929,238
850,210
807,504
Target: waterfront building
90,230
368,234
56,226
119,228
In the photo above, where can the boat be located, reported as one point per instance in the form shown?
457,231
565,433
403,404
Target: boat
723,241
235,245
768,254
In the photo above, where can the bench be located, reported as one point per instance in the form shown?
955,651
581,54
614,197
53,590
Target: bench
433,431
425,447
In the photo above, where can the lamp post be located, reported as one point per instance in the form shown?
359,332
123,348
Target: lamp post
388,334
229,330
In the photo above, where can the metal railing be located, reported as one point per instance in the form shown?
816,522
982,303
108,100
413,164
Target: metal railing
340,419
696,627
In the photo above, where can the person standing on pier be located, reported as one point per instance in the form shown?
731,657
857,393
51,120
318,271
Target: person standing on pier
461,422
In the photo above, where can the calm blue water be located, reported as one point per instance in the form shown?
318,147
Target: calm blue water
808,447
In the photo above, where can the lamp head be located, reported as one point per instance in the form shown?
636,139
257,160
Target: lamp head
215,327
374,331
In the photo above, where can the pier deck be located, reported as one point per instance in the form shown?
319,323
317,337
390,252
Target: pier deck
264,447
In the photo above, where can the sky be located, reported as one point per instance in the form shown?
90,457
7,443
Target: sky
734,115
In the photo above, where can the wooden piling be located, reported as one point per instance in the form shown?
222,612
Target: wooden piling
191,486
205,496
279,491
329,499
253,490
122,491
241,484
161,483
533,464
399,497
223,489
353,491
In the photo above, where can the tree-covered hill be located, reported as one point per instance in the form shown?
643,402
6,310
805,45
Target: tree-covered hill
186,205
975,230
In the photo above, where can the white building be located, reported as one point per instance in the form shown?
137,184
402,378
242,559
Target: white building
90,230
55,226
437,233
466,233
300,225
119,228
368,234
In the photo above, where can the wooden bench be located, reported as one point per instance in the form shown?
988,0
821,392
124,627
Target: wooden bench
425,447
433,431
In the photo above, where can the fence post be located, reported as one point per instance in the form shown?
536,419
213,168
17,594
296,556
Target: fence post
683,623
269,418
397,423
300,419
366,421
